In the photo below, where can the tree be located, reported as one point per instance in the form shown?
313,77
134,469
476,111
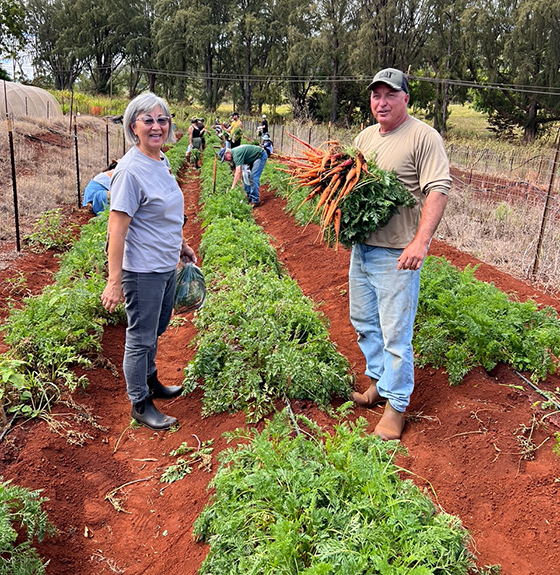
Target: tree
140,50
392,34
257,32
53,45
12,26
303,55
517,49
338,30
444,56
103,31
189,40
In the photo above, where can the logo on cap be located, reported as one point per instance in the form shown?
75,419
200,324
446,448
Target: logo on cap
394,78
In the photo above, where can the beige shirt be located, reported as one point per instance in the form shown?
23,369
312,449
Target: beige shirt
416,153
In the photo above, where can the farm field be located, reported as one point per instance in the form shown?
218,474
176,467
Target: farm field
475,448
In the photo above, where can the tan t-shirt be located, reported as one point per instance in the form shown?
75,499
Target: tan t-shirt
416,153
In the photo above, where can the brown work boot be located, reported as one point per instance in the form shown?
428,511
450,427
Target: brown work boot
369,398
391,424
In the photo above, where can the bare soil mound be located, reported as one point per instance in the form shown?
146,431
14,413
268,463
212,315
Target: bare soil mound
476,448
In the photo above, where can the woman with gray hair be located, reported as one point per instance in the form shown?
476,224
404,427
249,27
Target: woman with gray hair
144,244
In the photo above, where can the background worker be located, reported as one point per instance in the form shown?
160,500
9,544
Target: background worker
267,145
384,274
262,130
251,159
96,193
202,130
235,130
196,131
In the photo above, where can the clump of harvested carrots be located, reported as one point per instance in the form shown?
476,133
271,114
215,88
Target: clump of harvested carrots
333,175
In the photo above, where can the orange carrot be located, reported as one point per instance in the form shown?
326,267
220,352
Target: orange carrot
311,195
337,221
351,173
304,143
349,187
330,189
324,161
358,165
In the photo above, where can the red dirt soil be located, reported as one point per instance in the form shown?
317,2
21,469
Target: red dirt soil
466,444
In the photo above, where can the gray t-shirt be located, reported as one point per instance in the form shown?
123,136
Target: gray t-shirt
146,190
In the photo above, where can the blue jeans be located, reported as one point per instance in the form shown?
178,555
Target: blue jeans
149,304
383,303
252,189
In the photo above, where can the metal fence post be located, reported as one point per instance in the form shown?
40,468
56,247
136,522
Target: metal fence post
546,207
13,164
77,161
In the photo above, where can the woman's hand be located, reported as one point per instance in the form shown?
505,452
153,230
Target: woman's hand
111,296
187,254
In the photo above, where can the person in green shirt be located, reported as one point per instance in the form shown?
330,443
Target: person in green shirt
248,162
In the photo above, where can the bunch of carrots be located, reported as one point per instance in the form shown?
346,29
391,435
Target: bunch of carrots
331,174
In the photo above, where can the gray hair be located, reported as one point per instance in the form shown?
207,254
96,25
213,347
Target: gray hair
144,104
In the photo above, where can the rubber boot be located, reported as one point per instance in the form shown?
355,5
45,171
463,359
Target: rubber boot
160,391
391,424
147,413
369,398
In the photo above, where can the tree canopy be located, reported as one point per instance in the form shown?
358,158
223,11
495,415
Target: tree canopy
316,55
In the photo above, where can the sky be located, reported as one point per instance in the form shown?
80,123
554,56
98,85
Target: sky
25,63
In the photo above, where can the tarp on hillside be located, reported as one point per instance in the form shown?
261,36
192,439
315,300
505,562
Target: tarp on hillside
28,101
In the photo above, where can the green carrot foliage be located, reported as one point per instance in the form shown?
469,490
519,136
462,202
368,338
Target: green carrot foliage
462,323
22,521
260,339
303,501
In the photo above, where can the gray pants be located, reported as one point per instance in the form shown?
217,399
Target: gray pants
149,305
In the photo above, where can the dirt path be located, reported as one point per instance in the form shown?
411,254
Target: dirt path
464,443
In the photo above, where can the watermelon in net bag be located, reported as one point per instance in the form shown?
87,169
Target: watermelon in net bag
190,290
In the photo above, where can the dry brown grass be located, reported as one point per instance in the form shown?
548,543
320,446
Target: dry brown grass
504,232
46,169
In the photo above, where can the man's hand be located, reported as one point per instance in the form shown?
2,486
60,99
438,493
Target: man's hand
416,251
413,255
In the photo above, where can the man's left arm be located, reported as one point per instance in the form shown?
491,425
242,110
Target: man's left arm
236,176
417,250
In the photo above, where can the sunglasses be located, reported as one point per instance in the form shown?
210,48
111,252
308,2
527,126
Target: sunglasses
149,121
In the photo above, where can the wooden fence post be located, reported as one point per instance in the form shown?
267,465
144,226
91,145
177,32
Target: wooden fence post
107,137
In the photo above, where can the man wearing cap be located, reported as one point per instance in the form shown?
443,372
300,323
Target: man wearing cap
263,128
248,161
384,274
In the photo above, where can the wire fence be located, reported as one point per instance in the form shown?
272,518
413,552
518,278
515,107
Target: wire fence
504,208
46,164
